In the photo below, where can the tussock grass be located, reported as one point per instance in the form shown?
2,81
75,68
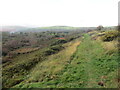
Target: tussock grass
111,47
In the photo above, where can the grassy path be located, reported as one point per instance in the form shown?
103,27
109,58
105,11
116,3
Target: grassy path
88,66
93,49
94,65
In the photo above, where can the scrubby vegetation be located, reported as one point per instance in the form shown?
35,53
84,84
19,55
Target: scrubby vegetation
89,67
22,51
110,35
27,42
61,59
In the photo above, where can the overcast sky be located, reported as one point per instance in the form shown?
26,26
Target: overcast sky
78,13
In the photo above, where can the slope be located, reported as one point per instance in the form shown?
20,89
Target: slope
50,68
89,67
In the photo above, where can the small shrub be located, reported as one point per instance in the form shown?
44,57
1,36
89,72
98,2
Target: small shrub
59,42
57,48
53,50
110,36
49,52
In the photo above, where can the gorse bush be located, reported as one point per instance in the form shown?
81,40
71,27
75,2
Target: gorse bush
110,35
59,42
57,47
53,49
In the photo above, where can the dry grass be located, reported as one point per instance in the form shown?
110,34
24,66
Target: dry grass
55,63
110,46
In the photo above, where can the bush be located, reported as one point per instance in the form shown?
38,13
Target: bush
57,48
53,50
59,42
110,36
49,52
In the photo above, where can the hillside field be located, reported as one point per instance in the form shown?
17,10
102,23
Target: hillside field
80,59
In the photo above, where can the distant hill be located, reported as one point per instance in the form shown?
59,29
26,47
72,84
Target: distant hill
58,28
51,28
